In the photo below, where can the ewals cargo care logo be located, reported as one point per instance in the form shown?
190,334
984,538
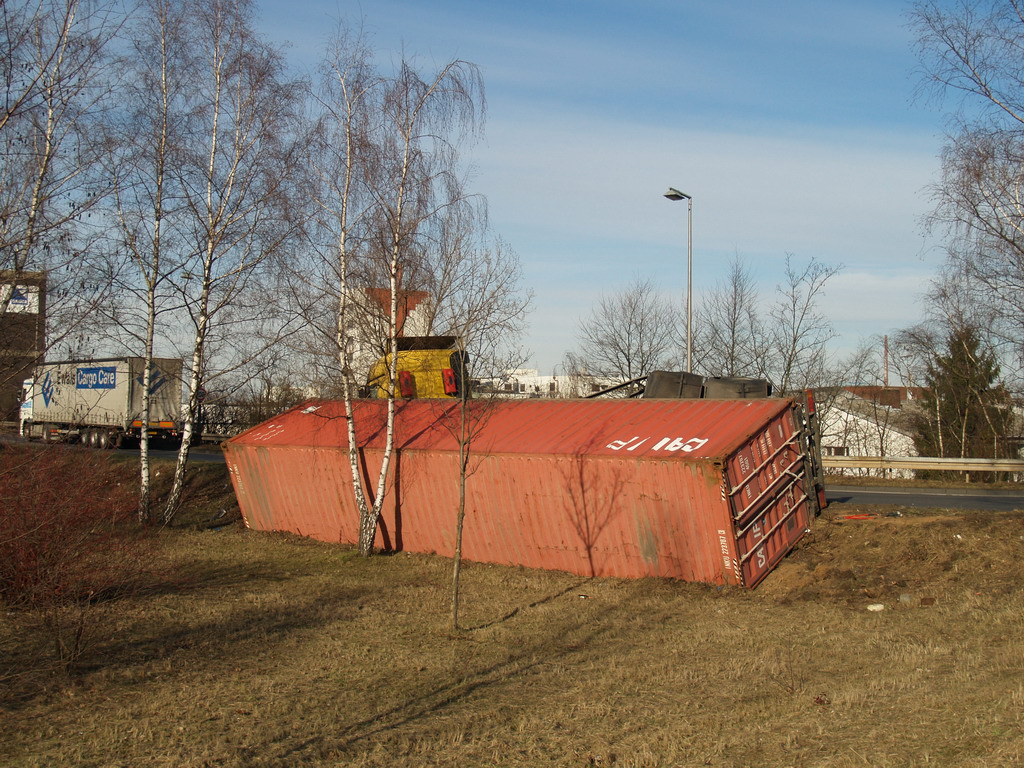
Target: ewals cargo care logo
46,388
96,378
156,379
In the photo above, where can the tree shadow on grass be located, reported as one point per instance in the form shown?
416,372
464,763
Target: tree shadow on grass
202,577
515,611
245,630
239,634
560,644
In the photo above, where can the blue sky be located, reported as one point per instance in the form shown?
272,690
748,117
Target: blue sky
794,126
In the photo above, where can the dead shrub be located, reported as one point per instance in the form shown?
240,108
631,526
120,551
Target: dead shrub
68,541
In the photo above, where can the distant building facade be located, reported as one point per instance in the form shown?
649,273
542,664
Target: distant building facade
871,423
22,334
367,337
893,397
529,383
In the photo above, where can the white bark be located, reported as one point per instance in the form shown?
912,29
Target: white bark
234,209
152,271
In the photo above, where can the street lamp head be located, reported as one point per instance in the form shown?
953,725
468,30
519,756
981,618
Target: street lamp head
675,194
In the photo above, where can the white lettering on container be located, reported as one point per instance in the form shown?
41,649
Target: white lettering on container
666,444
727,560
755,530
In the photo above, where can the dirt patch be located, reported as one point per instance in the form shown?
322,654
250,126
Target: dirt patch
890,553
208,499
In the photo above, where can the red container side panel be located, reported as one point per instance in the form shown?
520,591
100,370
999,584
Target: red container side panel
602,498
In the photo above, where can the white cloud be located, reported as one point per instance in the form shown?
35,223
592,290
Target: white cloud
586,200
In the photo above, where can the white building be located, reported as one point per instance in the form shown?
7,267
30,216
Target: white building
876,424
528,383
367,336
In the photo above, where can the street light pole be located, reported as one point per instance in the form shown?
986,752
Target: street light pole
675,194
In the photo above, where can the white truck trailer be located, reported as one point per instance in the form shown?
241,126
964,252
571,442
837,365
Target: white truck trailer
99,402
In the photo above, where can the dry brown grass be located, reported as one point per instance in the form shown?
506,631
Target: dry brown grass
275,651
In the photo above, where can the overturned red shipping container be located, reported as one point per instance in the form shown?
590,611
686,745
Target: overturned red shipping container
714,491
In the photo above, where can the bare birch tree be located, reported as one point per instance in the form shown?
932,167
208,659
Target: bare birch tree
971,52
233,172
348,98
424,119
201,181
54,92
146,200
389,173
55,80
474,282
980,206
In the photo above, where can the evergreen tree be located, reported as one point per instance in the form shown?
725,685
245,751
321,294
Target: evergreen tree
965,409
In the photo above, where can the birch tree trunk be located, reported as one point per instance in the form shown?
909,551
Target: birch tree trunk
239,207
460,517
150,264
347,99
195,373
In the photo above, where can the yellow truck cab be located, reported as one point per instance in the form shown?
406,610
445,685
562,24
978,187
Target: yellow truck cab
428,367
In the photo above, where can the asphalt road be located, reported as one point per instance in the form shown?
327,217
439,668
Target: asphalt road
202,454
952,498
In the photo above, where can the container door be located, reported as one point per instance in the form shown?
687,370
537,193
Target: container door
773,532
768,496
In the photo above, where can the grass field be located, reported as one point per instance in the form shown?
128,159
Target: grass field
246,649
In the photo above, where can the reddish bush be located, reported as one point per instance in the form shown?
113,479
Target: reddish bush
66,532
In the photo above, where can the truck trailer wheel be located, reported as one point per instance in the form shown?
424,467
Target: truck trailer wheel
104,439
90,438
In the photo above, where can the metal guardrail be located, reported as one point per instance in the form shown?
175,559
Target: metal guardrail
922,462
